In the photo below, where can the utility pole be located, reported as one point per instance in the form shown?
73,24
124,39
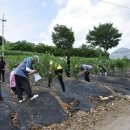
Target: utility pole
3,20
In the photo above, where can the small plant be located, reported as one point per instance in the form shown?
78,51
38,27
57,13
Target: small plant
122,65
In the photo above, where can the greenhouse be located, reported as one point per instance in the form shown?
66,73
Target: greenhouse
120,53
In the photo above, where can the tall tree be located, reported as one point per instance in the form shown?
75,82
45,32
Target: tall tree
63,37
104,36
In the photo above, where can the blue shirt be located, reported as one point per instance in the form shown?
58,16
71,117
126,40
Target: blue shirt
21,69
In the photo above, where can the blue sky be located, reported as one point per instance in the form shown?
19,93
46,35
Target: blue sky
33,20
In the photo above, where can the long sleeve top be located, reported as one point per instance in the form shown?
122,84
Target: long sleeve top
21,70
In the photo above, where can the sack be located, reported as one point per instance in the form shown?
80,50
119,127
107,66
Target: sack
37,77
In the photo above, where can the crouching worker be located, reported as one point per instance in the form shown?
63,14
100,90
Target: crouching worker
21,76
85,69
12,81
56,69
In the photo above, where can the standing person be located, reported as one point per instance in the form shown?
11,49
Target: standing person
2,69
85,69
21,76
12,80
57,69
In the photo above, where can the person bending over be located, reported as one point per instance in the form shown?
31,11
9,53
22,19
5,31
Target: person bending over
85,69
57,69
21,76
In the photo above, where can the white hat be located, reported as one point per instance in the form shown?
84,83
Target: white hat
36,57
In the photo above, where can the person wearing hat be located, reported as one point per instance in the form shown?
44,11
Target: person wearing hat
85,69
21,77
57,69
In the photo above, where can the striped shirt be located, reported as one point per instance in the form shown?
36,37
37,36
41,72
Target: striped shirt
21,69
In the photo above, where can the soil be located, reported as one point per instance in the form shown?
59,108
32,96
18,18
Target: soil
114,115
103,104
109,114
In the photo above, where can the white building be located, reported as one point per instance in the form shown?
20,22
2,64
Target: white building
120,53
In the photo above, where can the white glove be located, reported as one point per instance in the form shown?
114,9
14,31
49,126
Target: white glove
29,70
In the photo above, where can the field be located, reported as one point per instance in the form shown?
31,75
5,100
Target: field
83,106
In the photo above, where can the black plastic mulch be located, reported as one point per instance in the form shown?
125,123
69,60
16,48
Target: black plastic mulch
118,84
5,117
80,92
46,109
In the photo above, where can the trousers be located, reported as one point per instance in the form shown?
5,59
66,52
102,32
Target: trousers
23,82
87,76
59,73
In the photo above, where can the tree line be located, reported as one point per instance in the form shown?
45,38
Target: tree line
98,41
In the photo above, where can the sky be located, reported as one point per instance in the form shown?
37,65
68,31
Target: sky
34,20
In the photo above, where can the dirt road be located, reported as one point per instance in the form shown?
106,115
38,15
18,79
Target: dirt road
117,119
121,123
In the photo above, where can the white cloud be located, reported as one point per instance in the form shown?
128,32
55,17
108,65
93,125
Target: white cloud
45,38
81,15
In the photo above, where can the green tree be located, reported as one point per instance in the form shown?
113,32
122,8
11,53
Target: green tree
23,46
1,40
40,48
63,37
7,45
84,46
104,36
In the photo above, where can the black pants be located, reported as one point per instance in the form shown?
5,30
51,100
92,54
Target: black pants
15,91
2,75
87,76
68,67
22,82
59,74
